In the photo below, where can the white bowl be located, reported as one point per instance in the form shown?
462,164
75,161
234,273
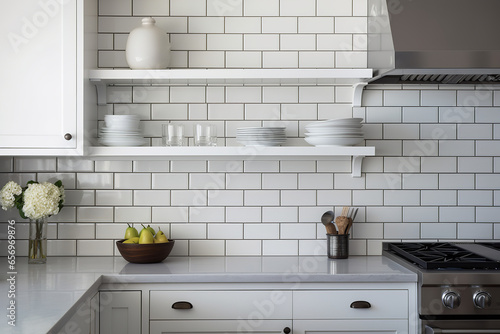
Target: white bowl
333,141
122,122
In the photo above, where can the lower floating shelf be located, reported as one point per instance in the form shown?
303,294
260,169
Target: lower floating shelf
235,153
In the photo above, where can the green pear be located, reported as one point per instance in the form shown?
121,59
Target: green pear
146,237
144,228
131,232
150,229
160,232
161,239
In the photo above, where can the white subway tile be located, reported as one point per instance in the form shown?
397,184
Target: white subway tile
279,215
487,115
420,114
220,197
488,181
261,8
36,164
206,214
151,197
225,231
456,181
359,8
132,181
61,247
243,25
316,94
297,7
439,164
334,8
439,197
383,181
224,8
319,59
298,197
474,131
206,25
298,166
261,166
224,42
280,247
402,164
188,197
383,115
225,112
132,214
187,94
113,197
150,8
188,166
188,231
115,7
111,231
207,180
169,111
279,25
109,59
151,95
262,197
401,98
438,231
496,232
315,25
335,42
297,42
315,181
488,148
280,95
354,25
386,147
243,59
368,230
312,214
475,231
169,180
94,180
475,197
298,231
261,231
438,98
206,59
105,41
75,231
188,7
334,198
401,231
401,197
420,181
420,214
279,181
243,181
438,131
74,165
383,214
259,42
94,214
94,247
487,214
348,59
79,197
346,181
456,114
113,166
243,215
299,111
288,59
474,98
188,41
260,111
367,197
401,131
475,165
456,214
178,59
169,215
243,247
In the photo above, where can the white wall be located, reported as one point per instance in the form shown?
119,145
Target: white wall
435,176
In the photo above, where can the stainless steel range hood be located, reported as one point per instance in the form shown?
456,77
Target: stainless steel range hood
434,41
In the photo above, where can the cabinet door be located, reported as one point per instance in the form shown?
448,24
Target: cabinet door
120,312
94,314
38,105
385,326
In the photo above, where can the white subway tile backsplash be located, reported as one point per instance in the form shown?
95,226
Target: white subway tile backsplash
334,8
224,42
316,94
288,59
475,197
474,98
280,247
206,25
169,214
474,131
439,197
243,59
487,148
367,197
243,25
487,214
315,181
206,59
151,197
225,197
456,114
188,7
333,197
206,214
402,197
279,25
298,231
383,115
438,98
297,7
243,214
420,214
438,131
334,42
280,95
291,42
188,231
243,247
401,98
94,214
113,197
401,131
320,59
438,231
401,231
298,197
94,248
475,231
75,231
94,180
456,181
475,165
279,215
262,197
132,214
261,8
439,164
150,7
225,231
224,8
132,181
115,7
456,214
315,25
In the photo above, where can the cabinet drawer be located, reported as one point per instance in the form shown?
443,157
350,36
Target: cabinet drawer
336,304
219,326
272,304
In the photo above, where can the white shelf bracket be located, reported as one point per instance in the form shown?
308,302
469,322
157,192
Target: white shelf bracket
101,93
357,93
357,162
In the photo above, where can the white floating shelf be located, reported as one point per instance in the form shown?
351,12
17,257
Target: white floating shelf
103,78
235,153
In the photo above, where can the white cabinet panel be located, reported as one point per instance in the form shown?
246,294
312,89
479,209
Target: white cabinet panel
350,326
120,312
220,326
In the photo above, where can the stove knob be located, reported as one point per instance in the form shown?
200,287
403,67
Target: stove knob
451,299
482,299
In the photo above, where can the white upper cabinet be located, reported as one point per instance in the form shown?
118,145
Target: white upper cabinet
42,104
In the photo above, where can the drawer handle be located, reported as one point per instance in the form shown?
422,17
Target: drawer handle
360,304
182,305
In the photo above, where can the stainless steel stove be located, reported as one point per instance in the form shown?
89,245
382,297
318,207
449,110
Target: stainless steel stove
458,284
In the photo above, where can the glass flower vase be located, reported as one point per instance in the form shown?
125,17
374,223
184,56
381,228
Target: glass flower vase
38,241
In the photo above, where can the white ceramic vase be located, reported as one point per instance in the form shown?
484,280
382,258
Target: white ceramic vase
148,47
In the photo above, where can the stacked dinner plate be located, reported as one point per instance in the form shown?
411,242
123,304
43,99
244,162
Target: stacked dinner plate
335,132
121,130
266,136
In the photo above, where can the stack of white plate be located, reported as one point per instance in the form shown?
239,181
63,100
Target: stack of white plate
121,130
335,132
267,136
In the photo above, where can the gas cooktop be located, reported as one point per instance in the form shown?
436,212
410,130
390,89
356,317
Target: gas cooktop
444,255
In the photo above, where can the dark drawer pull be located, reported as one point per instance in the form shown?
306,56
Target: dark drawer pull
182,305
360,304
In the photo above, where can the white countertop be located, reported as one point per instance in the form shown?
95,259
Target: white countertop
45,293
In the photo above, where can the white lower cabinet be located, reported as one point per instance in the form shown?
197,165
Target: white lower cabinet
238,311
120,312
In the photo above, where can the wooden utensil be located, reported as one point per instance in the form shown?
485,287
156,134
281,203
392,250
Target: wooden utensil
327,219
343,224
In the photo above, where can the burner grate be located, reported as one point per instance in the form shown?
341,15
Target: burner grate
441,256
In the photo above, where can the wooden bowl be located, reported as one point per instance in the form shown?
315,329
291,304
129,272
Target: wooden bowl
145,253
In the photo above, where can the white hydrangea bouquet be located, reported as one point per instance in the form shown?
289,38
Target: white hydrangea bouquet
36,202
